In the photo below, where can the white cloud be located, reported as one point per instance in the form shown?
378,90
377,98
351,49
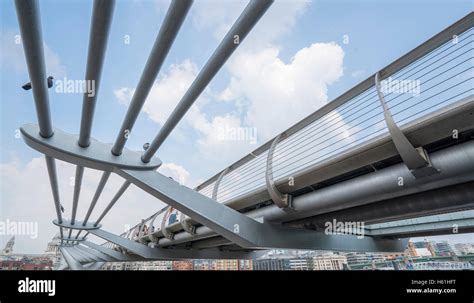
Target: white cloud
279,94
26,196
165,93
175,171
13,55
218,16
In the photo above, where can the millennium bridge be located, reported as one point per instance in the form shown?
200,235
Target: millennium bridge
401,163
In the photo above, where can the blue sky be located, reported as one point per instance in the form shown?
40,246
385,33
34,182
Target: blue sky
378,31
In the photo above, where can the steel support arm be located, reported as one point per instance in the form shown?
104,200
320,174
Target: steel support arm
95,253
171,254
169,30
416,159
118,256
71,262
99,33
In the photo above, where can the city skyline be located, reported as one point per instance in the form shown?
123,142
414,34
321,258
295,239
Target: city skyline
294,38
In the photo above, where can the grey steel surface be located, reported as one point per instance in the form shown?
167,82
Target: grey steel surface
99,33
112,253
77,191
452,223
409,154
71,262
211,224
114,200
239,228
97,155
437,201
171,254
100,188
30,27
76,225
281,200
456,165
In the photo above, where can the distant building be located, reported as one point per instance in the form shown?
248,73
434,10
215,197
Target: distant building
245,265
183,265
364,258
51,259
271,264
395,255
464,248
156,265
27,263
418,249
8,249
227,264
204,264
301,264
440,249
329,262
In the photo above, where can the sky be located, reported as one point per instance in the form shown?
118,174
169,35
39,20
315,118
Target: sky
301,55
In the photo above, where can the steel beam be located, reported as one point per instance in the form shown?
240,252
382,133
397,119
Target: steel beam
99,33
98,192
76,255
29,19
247,20
456,165
242,230
31,35
117,196
96,253
171,254
451,223
442,200
71,262
169,30
86,254
63,146
77,191
118,256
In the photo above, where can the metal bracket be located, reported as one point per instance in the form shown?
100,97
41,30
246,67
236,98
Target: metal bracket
97,155
241,229
188,227
283,201
416,159
77,225
218,182
164,230
151,236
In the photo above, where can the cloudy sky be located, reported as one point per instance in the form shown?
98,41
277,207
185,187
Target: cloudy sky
300,56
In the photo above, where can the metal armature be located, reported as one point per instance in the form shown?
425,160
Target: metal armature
237,235
283,201
215,190
416,159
